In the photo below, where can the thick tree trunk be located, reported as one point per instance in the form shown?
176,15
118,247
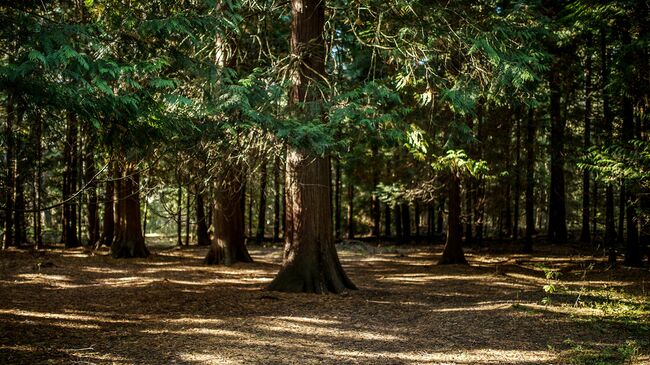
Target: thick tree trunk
229,242
453,251
202,236
311,263
557,230
261,216
530,181
129,241
585,234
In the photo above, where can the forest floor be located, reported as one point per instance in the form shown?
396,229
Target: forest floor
79,307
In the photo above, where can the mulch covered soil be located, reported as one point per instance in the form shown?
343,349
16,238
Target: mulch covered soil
79,307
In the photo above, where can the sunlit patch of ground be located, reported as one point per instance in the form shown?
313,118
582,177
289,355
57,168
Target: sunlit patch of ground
76,306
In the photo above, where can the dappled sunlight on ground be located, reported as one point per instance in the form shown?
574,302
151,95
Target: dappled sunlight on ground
76,306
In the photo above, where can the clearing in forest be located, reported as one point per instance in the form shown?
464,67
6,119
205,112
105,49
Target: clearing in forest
74,306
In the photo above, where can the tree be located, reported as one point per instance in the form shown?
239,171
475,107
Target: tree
310,263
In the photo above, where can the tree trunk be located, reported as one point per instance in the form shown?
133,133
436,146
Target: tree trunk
9,178
468,212
610,230
515,226
398,223
229,243
406,222
202,236
585,234
350,211
38,181
187,217
453,251
261,216
557,231
337,200
387,221
311,263
276,200
417,221
375,206
89,174
179,211
109,214
530,181
70,185
129,241
441,213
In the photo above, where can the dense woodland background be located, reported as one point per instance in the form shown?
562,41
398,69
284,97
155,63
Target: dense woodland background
232,122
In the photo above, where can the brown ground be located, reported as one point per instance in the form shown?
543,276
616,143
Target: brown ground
76,307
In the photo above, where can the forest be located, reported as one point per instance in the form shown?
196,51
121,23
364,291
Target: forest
463,182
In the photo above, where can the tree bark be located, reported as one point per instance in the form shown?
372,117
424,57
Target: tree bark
229,242
515,226
557,230
387,221
89,174
530,181
10,177
179,216
406,222
350,211
311,263
261,216
276,200
337,200
202,236
585,234
109,214
129,241
610,230
187,217
453,251
70,185
375,206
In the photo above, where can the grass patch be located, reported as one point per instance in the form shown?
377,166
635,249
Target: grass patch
611,355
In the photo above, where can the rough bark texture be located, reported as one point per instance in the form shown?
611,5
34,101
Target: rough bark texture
453,251
129,241
108,229
9,178
585,232
276,200
70,185
202,236
557,230
261,216
229,243
311,263
337,201
530,182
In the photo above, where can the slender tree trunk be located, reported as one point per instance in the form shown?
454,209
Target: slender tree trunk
109,214
441,213
145,216
468,212
557,230
585,234
453,251
10,177
250,208
187,217
515,227
399,235
38,181
130,242
179,211
406,222
89,174
387,221
311,263
610,231
261,216
276,200
530,181
337,200
374,199
417,221
70,185
350,211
